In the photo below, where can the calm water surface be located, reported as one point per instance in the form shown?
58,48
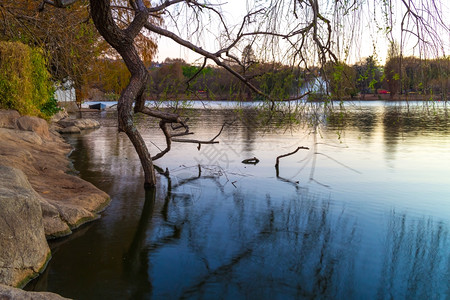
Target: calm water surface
363,214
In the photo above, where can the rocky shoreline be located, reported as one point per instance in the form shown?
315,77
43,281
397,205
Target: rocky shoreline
39,199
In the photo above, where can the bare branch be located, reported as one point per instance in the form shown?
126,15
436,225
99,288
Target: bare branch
163,126
168,117
196,73
284,155
203,52
199,142
163,6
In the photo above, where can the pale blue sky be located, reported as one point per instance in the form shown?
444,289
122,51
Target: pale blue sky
366,37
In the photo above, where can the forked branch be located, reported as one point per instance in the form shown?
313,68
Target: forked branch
284,155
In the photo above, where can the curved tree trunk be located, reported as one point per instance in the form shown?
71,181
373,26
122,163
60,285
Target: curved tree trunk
125,116
122,41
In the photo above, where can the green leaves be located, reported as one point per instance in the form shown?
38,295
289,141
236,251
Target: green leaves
25,83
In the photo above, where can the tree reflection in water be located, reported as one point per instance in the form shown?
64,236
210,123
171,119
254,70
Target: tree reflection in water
416,259
293,247
301,246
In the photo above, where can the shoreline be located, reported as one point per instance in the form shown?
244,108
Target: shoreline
40,198
360,97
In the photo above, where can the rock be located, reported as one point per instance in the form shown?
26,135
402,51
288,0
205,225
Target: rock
54,226
38,198
74,215
82,124
66,122
34,124
70,129
31,137
10,293
8,118
87,124
67,200
59,115
24,251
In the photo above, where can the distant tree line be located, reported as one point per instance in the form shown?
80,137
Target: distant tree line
73,51
176,79
399,76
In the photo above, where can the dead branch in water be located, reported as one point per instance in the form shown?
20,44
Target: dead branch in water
284,155
199,142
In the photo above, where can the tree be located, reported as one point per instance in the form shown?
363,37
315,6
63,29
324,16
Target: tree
168,80
24,80
341,79
304,36
248,57
368,75
110,76
393,70
69,37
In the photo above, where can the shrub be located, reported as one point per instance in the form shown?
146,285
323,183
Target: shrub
25,83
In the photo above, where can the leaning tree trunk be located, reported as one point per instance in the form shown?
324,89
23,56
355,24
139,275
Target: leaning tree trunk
122,40
135,90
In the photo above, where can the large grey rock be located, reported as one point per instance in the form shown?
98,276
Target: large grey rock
24,251
8,118
73,215
70,129
67,201
54,225
34,124
87,124
10,293
82,124
30,137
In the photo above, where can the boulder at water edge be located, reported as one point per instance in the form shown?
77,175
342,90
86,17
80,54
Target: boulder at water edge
24,251
10,293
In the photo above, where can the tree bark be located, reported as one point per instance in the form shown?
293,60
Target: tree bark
122,41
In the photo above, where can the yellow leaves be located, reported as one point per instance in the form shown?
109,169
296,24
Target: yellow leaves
110,76
146,47
24,80
68,36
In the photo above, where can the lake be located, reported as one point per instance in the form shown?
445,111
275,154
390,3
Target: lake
363,214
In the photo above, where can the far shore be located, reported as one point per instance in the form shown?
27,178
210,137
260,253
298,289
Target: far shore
360,97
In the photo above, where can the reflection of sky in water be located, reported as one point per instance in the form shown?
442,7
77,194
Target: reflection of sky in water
372,223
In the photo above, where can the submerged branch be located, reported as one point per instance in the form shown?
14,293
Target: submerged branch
284,155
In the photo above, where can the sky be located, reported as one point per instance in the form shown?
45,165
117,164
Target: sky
367,40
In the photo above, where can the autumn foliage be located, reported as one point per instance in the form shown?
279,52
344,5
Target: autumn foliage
25,83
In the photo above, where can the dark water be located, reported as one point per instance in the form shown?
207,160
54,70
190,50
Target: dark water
363,214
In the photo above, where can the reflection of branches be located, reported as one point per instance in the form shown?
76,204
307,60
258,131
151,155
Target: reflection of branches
221,271
316,248
415,250
213,175
338,162
315,153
